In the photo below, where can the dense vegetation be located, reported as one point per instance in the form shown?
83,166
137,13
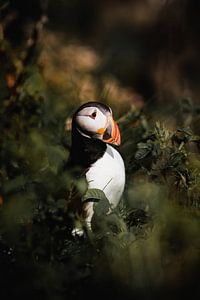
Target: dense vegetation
150,245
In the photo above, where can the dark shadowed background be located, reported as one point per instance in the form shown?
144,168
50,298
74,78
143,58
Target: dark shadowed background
142,58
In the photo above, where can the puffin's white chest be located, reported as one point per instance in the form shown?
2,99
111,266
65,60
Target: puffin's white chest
108,174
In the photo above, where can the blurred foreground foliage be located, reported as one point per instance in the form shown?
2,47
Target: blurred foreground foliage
149,247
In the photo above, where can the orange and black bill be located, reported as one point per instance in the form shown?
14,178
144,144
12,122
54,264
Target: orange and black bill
112,133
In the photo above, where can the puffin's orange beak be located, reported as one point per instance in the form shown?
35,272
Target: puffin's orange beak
112,133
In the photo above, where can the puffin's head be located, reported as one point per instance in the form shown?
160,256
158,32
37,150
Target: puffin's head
95,120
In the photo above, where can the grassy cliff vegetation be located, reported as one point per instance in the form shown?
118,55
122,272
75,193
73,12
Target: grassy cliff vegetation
150,246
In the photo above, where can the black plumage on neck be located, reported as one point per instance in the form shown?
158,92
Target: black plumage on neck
84,150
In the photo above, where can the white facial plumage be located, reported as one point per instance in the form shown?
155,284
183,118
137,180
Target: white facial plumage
90,120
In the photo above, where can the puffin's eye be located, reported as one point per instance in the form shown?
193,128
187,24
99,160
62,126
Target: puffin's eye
93,115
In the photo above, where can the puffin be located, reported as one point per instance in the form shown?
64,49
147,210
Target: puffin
94,136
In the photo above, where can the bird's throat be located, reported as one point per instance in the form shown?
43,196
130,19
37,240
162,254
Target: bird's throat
85,151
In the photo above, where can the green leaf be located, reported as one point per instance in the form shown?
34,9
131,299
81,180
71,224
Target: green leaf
143,150
186,130
95,194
